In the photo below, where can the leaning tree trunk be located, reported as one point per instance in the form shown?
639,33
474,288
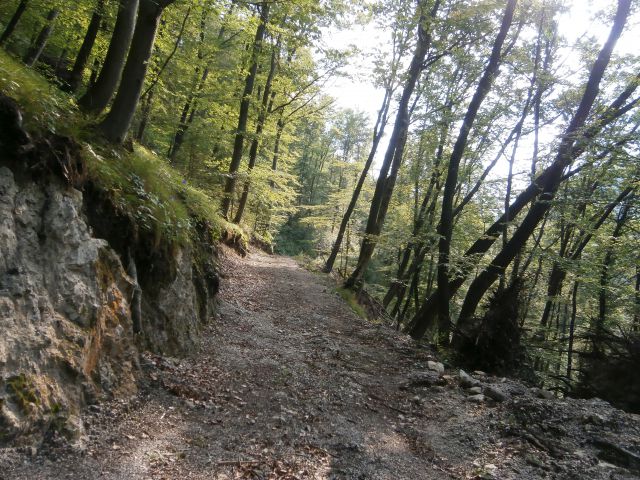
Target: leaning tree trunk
34,52
11,26
118,121
446,217
378,131
97,97
546,183
565,156
82,58
393,157
255,143
243,116
145,115
605,274
635,326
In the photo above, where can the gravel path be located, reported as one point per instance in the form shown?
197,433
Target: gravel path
288,383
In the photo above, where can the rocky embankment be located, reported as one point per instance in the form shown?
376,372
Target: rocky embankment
288,383
83,289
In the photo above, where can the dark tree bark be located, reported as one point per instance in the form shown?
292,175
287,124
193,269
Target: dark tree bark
378,132
255,143
567,151
35,50
97,97
446,217
95,70
276,146
393,157
118,121
144,115
572,146
423,219
11,26
243,116
572,328
75,79
186,116
605,274
635,326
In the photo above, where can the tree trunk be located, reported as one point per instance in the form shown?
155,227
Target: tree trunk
446,217
82,58
378,131
635,326
95,70
97,97
568,150
255,143
243,116
145,114
276,147
187,116
393,157
11,26
34,52
572,329
117,122
566,154
605,274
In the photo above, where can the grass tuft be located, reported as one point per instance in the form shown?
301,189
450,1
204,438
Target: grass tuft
350,297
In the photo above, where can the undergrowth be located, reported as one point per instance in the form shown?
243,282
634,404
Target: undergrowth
141,183
349,296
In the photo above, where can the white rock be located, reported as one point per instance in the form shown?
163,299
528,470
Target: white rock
435,366
476,398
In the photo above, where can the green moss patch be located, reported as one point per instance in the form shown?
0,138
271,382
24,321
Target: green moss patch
142,184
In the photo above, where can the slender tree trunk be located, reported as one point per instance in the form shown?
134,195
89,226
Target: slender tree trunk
34,52
82,58
635,326
556,277
276,148
118,121
255,143
145,115
243,117
565,156
541,84
445,229
11,26
99,94
95,70
60,62
532,292
546,183
189,109
378,131
187,116
605,274
572,329
393,157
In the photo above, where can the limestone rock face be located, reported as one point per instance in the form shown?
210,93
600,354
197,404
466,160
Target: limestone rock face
66,330
176,311
64,313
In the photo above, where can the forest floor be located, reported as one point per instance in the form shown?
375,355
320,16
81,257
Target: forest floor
288,383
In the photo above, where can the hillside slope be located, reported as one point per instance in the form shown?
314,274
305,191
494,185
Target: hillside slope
290,383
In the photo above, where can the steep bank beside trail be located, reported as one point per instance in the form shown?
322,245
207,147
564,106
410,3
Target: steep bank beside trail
289,383
84,287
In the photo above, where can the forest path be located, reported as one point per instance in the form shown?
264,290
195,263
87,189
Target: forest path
288,383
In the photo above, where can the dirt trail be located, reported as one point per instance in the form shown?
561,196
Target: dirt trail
289,383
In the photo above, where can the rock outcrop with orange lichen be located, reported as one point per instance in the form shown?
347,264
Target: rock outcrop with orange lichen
82,291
